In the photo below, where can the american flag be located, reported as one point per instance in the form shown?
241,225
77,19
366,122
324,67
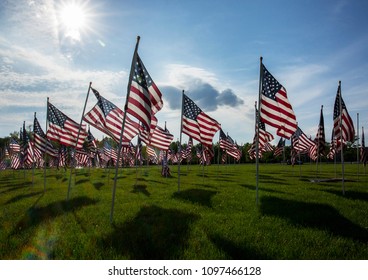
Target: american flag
363,151
275,107
342,118
138,151
108,118
225,144
36,151
302,143
15,161
63,157
279,148
91,144
264,138
14,146
82,158
3,164
320,137
152,154
208,154
229,146
158,137
187,152
28,154
145,99
63,129
332,152
197,124
110,152
40,140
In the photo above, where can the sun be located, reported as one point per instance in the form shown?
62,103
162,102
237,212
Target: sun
73,18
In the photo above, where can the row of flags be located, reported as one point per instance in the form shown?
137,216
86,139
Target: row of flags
144,100
276,111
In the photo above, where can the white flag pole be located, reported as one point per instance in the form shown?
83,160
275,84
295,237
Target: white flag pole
181,131
76,142
257,127
342,144
122,128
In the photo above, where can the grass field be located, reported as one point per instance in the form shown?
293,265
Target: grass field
214,216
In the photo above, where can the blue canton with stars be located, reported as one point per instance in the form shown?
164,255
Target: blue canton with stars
55,116
37,128
270,86
191,110
337,104
105,105
141,75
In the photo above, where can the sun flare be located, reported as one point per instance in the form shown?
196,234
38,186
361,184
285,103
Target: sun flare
73,17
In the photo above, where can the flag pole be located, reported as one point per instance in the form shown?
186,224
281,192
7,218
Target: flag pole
363,154
45,155
76,142
34,163
342,144
358,145
257,126
218,156
181,131
283,153
318,143
122,128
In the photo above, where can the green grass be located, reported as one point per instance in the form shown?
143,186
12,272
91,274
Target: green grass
214,216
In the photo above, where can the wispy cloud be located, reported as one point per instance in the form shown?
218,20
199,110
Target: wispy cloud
29,76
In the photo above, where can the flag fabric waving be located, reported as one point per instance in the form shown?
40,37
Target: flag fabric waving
109,151
264,138
158,137
225,144
363,151
341,118
14,146
302,143
320,137
332,151
63,129
27,149
145,99
279,148
197,124
108,118
40,140
187,152
229,146
275,107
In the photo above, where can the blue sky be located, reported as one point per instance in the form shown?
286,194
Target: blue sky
210,49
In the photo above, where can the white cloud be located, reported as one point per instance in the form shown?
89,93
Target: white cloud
28,77
181,75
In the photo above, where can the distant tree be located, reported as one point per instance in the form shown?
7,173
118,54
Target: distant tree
15,134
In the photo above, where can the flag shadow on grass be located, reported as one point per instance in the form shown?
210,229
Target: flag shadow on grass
140,188
350,194
253,188
14,187
81,181
21,196
268,179
196,196
154,233
36,215
98,185
236,251
313,215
